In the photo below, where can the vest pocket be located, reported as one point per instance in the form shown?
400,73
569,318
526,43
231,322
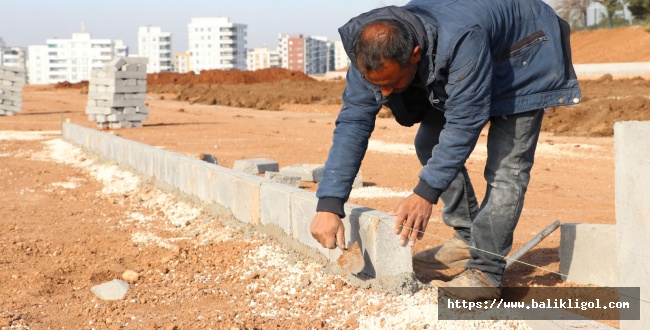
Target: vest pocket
523,46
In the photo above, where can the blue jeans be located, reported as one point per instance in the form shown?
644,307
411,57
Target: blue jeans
489,227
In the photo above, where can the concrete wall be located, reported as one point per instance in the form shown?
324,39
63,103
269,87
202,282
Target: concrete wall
252,199
632,168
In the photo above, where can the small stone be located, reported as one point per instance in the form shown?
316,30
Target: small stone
113,290
130,276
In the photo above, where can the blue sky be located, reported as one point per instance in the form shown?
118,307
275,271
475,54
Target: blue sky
31,22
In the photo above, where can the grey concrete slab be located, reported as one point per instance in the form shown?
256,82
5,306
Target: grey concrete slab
202,172
383,255
585,247
303,210
306,172
255,165
280,178
224,188
246,195
171,160
632,165
275,205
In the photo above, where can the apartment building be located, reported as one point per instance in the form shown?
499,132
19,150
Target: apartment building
311,54
317,54
181,62
216,43
71,59
291,50
338,57
155,45
262,58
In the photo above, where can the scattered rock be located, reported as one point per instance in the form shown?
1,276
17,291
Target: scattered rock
130,276
113,290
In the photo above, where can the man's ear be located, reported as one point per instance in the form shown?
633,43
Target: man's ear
416,55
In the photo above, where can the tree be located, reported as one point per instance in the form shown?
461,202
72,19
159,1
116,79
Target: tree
640,9
573,11
611,6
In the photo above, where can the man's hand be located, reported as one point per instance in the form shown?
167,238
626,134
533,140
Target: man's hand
413,214
327,228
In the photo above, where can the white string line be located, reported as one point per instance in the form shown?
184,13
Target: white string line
498,255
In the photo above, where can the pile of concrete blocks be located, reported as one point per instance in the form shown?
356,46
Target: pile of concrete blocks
12,80
117,93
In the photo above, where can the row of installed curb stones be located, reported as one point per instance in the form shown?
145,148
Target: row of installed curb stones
12,80
252,199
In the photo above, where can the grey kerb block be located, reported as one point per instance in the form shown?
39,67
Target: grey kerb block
314,173
588,254
255,165
306,172
288,180
632,165
254,200
275,205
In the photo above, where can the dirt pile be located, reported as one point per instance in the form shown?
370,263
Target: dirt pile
266,89
605,101
66,84
226,77
625,44
261,96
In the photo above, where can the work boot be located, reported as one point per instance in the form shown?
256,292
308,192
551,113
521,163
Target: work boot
470,285
451,255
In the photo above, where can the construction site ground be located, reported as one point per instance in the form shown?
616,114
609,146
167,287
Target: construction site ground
70,222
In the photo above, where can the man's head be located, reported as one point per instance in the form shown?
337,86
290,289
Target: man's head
387,55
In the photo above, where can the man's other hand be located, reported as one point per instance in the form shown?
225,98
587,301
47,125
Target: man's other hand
327,228
413,214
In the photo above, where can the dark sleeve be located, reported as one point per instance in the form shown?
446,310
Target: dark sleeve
467,110
354,124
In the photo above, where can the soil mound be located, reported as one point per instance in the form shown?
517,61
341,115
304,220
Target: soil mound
66,84
227,77
625,44
604,102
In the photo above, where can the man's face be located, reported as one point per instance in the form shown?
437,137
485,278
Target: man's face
394,78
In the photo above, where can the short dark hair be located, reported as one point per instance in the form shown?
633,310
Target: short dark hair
382,40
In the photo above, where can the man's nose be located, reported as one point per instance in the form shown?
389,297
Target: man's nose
385,91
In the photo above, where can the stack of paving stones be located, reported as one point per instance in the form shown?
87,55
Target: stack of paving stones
12,80
117,93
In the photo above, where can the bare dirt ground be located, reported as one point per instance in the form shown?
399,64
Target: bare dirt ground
70,221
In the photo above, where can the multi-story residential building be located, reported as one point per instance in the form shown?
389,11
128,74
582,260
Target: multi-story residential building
316,55
338,57
155,45
262,58
311,54
182,62
72,59
291,49
216,43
